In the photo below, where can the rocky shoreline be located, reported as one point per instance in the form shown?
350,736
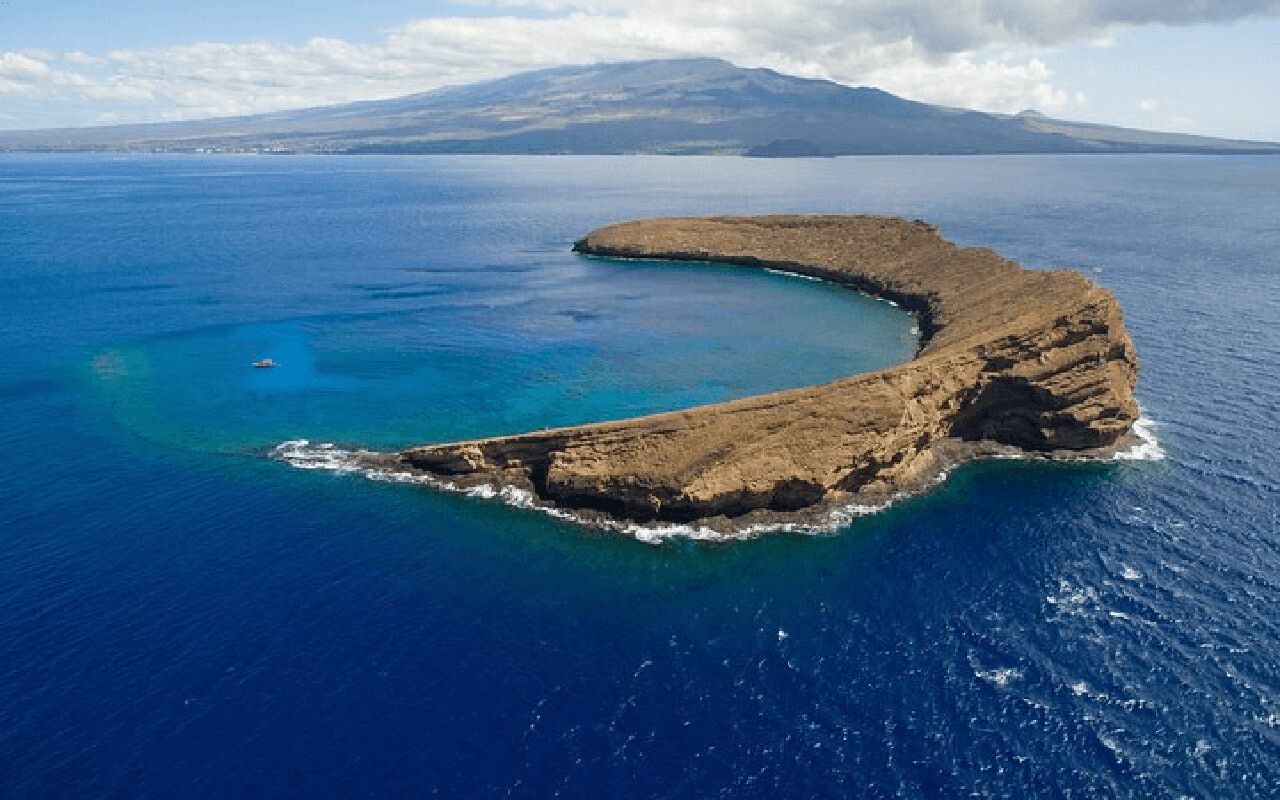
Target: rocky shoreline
1011,362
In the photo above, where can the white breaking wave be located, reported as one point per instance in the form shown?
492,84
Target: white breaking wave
999,677
793,274
304,454
834,519
1145,447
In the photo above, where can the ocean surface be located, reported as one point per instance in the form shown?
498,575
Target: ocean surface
186,614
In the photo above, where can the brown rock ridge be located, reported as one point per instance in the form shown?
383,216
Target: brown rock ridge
1009,358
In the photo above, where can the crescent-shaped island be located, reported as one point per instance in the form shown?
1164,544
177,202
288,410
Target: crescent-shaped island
1011,362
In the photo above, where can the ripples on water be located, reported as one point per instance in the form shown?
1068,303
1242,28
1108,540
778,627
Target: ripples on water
180,617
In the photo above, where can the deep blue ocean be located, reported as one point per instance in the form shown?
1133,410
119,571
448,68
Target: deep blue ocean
184,616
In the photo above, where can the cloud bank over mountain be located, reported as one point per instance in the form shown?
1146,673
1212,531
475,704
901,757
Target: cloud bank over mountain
986,55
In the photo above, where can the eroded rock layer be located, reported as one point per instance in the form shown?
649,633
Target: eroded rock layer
1009,358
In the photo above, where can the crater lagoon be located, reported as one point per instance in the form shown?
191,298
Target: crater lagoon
183,616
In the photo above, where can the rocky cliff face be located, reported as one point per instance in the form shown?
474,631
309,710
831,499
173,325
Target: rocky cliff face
1010,358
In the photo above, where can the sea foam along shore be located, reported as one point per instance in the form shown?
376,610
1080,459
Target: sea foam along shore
374,465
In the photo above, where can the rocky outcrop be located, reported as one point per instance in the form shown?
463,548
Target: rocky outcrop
1010,358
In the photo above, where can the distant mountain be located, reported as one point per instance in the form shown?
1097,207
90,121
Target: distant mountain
682,106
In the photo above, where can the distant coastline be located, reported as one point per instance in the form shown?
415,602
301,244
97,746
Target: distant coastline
1012,362
690,106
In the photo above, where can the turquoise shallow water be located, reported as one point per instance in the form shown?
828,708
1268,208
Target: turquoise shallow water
182,616
466,357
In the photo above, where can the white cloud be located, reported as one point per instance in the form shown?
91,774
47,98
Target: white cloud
974,53
990,85
1149,105
20,72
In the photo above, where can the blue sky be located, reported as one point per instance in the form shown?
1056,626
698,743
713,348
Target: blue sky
1185,65
96,26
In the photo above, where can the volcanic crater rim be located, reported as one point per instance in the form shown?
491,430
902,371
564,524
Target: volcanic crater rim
1010,360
